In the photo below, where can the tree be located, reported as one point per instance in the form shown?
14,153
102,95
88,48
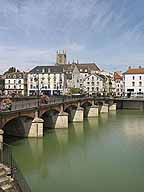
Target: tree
74,90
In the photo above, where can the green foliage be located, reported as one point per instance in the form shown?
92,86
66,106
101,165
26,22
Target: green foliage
74,90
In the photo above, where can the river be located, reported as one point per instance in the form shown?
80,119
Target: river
104,154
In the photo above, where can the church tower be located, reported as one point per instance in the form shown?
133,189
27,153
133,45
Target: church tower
61,58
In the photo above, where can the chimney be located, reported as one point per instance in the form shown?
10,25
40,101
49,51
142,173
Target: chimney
129,67
139,67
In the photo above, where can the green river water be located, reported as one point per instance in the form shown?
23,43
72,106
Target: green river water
104,154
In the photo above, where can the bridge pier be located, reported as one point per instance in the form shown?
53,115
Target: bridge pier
104,108
77,115
113,107
93,111
62,121
36,129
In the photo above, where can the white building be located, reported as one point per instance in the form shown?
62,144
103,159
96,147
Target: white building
46,79
15,83
133,80
93,84
86,69
76,74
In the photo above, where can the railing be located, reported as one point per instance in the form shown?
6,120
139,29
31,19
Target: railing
7,159
52,100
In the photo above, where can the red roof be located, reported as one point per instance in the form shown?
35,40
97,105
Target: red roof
135,71
117,76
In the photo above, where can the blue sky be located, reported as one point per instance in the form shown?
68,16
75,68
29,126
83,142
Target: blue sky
108,32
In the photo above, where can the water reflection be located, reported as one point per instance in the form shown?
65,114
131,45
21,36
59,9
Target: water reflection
104,118
95,155
62,136
112,114
78,129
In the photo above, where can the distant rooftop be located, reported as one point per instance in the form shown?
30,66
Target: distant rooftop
138,70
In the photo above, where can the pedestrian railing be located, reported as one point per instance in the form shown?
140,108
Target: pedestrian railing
6,158
36,103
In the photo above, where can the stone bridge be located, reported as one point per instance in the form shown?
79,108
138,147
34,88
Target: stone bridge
29,118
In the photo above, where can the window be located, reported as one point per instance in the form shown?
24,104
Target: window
133,77
92,88
88,88
86,70
88,83
92,83
140,84
92,78
140,77
9,81
139,90
133,84
19,81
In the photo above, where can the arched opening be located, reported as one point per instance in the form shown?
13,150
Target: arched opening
71,110
17,127
50,118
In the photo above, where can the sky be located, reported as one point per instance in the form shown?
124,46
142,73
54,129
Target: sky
107,32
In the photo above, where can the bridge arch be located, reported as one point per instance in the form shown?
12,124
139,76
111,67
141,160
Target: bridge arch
71,110
18,126
70,106
50,117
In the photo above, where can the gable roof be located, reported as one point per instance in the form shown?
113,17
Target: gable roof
117,76
96,75
89,66
47,69
135,71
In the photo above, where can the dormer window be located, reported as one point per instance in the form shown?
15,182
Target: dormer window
80,70
86,70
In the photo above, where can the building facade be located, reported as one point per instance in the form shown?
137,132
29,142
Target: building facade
93,84
133,80
118,80
15,84
49,80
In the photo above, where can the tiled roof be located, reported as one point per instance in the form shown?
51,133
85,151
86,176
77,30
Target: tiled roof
89,66
135,71
117,76
47,69
97,75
